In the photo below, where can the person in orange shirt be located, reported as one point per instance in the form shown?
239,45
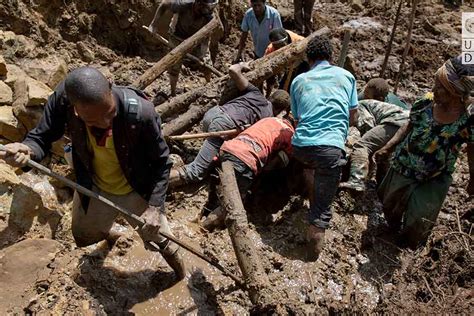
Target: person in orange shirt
266,145
280,38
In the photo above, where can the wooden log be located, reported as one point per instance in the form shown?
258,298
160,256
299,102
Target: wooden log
176,54
255,278
390,42
193,58
183,122
345,48
229,132
181,102
271,64
263,69
407,46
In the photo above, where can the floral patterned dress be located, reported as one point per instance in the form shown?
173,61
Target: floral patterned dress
431,148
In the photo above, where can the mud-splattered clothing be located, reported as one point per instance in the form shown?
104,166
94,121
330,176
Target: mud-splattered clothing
430,148
257,143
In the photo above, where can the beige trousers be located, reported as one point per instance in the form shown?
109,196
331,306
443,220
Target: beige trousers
94,226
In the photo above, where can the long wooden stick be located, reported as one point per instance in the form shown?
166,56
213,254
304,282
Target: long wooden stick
390,42
176,54
193,58
213,261
208,134
345,48
407,46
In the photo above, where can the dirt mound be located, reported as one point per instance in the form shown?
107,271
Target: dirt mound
361,270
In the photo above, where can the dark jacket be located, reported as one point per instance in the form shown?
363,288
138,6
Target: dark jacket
141,149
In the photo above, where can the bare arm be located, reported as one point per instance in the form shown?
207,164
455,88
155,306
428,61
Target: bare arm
235,73
386,150
243,40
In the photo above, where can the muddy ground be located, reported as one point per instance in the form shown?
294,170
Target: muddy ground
361,270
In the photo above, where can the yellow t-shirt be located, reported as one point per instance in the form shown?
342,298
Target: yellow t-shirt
108,175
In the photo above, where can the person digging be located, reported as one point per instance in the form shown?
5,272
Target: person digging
118,151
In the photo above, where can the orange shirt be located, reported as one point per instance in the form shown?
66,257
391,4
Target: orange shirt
254,145
294,38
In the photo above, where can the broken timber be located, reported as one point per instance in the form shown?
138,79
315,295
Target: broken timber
176,54
255,278
262,69
193,58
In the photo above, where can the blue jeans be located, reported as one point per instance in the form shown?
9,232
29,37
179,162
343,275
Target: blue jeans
214,120
327,162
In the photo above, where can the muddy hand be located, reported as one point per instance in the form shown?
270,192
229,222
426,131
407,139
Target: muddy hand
15,154
151,229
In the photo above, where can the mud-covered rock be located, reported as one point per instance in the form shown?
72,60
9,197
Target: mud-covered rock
6,94
27,115
22,265
37,92
29,204
86,54
50,71
13,74
3,67
10,128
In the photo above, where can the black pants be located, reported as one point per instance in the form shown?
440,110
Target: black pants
327,162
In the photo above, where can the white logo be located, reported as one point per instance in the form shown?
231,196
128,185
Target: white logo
467,40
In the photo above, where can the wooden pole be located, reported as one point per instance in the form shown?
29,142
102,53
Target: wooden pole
193,58
258,284
229,132
214,262
390,42
176,54
344,48
407,46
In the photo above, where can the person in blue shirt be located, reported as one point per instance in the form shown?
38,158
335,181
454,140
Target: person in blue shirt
324,103
259,21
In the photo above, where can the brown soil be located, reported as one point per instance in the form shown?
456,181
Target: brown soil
361,270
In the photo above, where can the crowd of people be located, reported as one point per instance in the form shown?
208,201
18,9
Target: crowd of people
119,150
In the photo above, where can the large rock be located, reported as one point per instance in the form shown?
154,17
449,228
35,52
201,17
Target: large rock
27,115
7,38
22,265
28,204
10,128
6,94
38,92
3,67
50,71
13,74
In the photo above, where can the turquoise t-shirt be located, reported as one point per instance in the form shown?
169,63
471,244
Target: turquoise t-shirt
260,31
320,101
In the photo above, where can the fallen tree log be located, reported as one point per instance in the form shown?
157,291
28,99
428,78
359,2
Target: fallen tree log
255,278
191,57
262,69
176,54
181,102
182,123
272,64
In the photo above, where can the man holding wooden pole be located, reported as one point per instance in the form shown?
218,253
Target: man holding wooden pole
118,152
192,15
247,108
